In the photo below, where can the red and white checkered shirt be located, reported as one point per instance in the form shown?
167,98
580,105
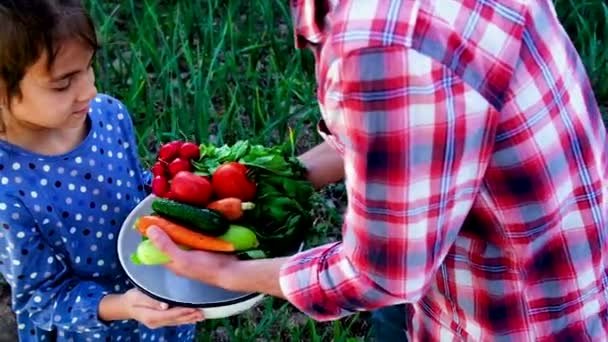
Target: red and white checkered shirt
476,170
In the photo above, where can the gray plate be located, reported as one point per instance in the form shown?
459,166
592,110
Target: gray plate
164,285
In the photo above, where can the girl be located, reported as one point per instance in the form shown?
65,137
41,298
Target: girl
69,175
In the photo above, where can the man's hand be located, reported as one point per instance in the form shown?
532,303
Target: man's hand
324,164
206,267
221,270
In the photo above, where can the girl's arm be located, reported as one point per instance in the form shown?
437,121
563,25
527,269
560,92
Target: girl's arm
41,279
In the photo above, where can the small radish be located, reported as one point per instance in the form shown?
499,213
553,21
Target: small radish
158,169
160,186
178,165
190,151
169,151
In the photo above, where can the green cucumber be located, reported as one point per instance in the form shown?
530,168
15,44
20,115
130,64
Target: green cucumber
147,254
241,237
205,221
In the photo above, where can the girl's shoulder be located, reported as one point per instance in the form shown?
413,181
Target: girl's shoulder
108,103
107,107
111,117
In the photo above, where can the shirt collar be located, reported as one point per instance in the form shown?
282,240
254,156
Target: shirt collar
309,19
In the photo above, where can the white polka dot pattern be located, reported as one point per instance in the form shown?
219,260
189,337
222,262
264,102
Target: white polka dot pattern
59,217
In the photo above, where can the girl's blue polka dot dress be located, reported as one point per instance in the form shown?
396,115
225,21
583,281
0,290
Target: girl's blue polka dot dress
59,219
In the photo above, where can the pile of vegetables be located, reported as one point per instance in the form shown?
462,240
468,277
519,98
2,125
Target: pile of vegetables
246,199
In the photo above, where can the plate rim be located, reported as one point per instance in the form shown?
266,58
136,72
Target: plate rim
216,304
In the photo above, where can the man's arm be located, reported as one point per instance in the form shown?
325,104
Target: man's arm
324,165
417,141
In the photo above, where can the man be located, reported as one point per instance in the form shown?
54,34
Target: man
475,163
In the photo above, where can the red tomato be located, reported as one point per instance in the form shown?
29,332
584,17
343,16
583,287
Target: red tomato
230,180
190,151
186,187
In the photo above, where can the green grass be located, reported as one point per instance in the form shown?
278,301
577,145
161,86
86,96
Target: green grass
221,70
586,21
203,70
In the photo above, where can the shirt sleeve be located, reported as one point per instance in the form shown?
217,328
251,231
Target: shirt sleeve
120,111
41,282
417,141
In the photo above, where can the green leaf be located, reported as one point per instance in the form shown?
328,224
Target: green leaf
239,149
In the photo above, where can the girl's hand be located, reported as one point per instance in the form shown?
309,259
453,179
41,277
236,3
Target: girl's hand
154,314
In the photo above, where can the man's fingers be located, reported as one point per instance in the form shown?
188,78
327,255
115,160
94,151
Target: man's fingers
162,241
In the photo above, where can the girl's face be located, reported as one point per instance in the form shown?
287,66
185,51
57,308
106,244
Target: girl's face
58,98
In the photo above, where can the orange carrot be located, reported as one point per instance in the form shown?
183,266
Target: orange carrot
182,235
231,208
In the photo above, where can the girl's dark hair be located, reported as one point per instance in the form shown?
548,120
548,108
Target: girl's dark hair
31,28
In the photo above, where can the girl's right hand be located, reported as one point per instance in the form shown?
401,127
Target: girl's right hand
154,314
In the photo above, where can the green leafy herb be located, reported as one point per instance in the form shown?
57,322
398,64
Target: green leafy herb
282,213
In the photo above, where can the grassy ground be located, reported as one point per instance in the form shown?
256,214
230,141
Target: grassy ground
220,70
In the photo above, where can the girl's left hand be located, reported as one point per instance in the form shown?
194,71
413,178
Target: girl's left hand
154,314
